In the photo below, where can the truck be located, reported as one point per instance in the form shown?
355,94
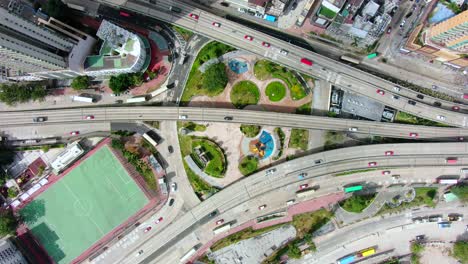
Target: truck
347,259
82,98
188,255
136,99
366,252
222,229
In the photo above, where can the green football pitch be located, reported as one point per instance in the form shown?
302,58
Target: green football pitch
83,206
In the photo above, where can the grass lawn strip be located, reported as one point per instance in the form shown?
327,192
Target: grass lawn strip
194,84
357,203
248,165
424,196
250,130
406,118
265,69
275,91
244,93
217,164
299,139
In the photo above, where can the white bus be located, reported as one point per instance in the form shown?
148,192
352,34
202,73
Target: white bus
305,193
188,255
221,229
84,99
150,139
448,181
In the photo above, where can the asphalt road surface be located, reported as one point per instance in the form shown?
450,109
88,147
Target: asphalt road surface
248,189
335,72
130,114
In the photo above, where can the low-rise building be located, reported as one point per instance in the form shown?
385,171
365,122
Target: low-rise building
9,254
73,152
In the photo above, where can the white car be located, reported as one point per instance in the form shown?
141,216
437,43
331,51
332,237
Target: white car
261,207
284,52
242,10
396,88
183,117
173,187
441,117
353,129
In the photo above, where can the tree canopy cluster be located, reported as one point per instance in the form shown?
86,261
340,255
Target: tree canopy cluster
80,82
122,82
461,191
215,78
8,223
56,9
12,94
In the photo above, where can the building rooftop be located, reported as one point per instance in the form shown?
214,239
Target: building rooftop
362,106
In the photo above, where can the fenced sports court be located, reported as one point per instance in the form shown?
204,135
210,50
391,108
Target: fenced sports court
83,206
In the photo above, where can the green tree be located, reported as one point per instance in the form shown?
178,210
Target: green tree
294,251
461,191
460,251
120,83
8,223
215,78
136,79
80,82
14,93
12,192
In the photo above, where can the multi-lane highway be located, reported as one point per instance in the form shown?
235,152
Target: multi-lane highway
119,114
241,192
335,72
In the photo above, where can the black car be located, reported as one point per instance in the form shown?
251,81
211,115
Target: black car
438,104
420,237
224,4
228,118
170,149
420,96
293,6
40,119
171,201
411,102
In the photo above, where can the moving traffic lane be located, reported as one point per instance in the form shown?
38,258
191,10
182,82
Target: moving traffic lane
235,194
322,67
131,114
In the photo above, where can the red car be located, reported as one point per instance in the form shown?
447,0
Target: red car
266,44
389,30
74,133
159,220
148,229
412,134
247,37
193,16
372,164
389,153
306,61
220,221
381,92
386,172
303,186
89,117
216,24
455,108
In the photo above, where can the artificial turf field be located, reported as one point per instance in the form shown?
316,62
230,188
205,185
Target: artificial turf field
83,206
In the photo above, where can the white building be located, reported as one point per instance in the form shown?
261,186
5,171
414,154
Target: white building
9,254
67,157
121,52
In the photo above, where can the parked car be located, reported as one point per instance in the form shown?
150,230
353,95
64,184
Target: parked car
171,201
173,187
170,149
